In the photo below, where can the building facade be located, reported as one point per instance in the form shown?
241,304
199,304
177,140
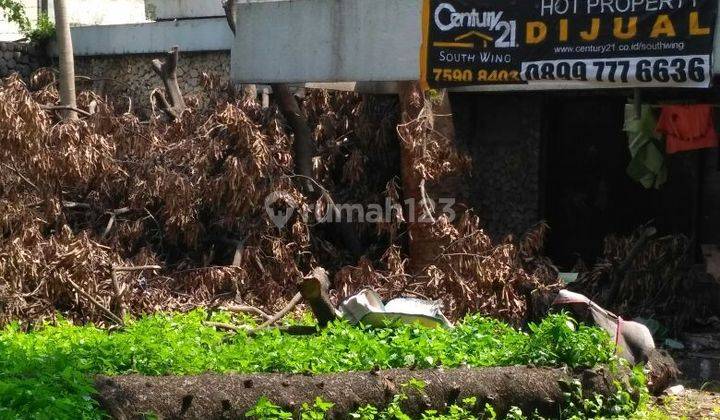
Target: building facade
82,12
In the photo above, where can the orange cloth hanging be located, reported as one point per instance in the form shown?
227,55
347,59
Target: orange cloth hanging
687,127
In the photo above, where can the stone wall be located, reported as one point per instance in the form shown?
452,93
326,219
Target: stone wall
20,57
503,135
131,76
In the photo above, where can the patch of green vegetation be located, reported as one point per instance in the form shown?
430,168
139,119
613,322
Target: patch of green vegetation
14,11
266,410
43,31
619,406
46,373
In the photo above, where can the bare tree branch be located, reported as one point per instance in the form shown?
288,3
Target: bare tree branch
167,70
95,302
66,108
284,311
240,309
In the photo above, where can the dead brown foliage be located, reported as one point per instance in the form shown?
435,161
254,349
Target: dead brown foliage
77,198
659,283
179,190
470,275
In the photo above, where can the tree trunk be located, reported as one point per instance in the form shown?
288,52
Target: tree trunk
423,244
303,146
167,70
315,290
421,248
231,396
304,150
66,60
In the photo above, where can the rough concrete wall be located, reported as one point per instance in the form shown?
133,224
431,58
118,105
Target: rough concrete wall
20,57
503,135
131,76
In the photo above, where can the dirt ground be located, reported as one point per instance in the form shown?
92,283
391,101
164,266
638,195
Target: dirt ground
699,401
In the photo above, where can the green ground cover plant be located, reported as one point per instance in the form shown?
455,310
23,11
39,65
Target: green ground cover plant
47,372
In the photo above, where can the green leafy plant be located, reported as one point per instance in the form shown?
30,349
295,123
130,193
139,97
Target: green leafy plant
316,411
43,31
265,409
46,372
367,412
456,412
619,406
14,11
515,414
489,413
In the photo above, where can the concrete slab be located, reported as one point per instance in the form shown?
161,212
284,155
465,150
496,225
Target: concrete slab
327,41
153,37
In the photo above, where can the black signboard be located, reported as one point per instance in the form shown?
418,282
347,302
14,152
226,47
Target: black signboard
576,43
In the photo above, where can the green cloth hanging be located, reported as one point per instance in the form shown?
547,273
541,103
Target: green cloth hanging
648,166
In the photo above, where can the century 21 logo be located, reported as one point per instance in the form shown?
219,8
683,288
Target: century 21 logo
448,18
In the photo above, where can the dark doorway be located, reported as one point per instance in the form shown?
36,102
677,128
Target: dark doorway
588,193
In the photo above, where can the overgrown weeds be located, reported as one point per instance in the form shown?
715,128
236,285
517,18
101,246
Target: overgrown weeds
46,372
